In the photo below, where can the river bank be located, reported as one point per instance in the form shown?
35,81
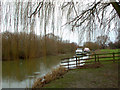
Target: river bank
104,77
22,73
53,75
101,75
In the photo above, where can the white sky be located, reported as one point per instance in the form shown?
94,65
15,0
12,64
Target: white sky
61,31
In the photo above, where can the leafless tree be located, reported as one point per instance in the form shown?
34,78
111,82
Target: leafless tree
103,40
96,13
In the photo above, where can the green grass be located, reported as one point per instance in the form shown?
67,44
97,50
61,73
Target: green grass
104,77
108,50
105,55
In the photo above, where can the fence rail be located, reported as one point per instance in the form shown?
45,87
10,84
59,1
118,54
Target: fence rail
93,58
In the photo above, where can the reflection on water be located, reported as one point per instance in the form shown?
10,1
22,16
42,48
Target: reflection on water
22,73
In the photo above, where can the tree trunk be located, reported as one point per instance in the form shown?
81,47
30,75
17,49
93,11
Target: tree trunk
116,7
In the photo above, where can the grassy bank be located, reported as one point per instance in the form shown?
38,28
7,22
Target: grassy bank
104,77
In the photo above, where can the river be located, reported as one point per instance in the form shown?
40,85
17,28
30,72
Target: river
22,73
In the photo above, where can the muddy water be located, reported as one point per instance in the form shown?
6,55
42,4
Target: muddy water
22,73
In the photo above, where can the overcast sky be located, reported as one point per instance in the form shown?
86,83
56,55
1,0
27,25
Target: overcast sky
64,31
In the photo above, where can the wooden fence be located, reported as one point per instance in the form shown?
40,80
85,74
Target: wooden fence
79,61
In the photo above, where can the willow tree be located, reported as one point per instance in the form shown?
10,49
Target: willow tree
96,13
93,14
44,10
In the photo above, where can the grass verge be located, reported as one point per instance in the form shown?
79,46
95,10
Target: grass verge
104,77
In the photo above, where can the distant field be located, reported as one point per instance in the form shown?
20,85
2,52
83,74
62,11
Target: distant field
107,50
104,52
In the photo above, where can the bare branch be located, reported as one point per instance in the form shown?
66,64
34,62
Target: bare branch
116,7
92,12
40,5
65,4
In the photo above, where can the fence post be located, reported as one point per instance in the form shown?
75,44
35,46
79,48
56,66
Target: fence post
113,57
76,61
68,64
95,58
98,58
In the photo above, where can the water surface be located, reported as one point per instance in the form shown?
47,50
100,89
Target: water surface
21,73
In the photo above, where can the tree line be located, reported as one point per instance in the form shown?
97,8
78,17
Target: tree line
25,46
103,42
95,45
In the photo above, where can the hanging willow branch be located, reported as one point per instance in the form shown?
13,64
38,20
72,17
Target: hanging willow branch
94,12
38,8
